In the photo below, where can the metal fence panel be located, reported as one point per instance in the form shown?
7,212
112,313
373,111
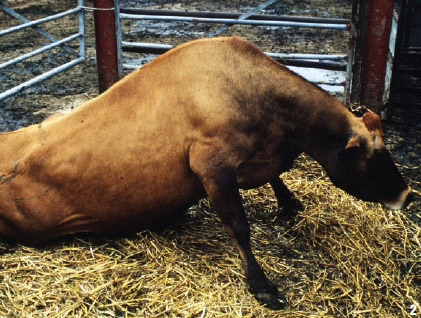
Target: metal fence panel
55,43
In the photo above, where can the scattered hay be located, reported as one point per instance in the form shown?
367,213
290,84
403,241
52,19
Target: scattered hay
340,258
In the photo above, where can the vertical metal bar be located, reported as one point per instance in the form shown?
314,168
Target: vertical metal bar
376,47
400,56
351,51
119,38
349,64
106,47
359,15
81,22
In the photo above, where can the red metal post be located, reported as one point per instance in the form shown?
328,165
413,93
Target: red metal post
106,44
374,60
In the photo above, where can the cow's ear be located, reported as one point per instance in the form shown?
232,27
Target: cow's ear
351,152
373,123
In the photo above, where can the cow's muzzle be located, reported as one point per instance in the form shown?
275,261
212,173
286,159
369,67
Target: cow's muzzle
402,201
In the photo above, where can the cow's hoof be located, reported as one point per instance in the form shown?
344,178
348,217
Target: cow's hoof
291,207
268,295
272,301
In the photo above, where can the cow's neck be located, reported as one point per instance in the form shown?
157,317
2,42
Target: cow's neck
322,124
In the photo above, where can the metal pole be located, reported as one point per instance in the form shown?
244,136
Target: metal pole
106,44
376,46
351,51
359,20
81,22
118,37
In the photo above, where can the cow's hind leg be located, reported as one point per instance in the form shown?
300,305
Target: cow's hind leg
285,198
220,183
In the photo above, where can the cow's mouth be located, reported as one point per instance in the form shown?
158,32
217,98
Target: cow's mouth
402,201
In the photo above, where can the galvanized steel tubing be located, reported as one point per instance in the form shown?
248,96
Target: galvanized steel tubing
234,21
323,61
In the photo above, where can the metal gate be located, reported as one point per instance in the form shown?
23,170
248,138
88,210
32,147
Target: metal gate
366,62
323,61
339,62
79,56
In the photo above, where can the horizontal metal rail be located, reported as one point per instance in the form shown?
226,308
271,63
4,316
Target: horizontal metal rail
229,15
300,56
313,64
292,59
40,78
161,48
153,48
233,21
288,62
39,21
40,50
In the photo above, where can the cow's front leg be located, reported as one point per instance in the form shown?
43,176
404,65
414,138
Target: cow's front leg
285,198
221,186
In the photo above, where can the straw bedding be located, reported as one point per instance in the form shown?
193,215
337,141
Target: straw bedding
340,257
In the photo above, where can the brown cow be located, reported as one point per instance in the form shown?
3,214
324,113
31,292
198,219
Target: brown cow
207,117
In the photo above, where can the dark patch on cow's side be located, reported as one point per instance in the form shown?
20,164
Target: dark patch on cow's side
330,136
6,178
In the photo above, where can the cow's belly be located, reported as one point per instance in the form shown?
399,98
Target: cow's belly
144,203
49,200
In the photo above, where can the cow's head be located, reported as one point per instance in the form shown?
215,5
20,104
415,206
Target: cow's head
364,167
